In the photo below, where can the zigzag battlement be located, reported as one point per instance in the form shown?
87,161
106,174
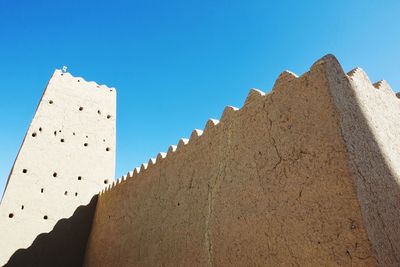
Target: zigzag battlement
89,84
358,75
254,95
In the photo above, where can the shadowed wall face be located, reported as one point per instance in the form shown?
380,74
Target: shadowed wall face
270,185
370,126
65,159
64,246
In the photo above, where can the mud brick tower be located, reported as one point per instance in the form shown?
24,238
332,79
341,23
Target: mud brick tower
67,156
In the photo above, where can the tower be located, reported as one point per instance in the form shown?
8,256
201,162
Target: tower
67,156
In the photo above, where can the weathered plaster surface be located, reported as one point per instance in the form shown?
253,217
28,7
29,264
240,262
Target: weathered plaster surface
369,121
271,184
55,172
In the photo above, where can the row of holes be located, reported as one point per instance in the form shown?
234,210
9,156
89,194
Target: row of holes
98,86
98,112
73,133
81,109
11,215
55,175
65,193
62,140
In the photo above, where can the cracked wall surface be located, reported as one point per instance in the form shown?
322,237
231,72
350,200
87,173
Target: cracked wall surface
272,184
66,157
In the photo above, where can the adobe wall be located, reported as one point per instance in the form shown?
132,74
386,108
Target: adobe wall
271,184
66,157
370,126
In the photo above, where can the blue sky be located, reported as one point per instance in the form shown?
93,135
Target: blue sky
177,63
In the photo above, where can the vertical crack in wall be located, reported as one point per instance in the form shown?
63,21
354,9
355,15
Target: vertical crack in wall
213,186
212,190
271,135
207,232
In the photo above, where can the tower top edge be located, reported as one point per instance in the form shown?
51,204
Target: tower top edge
62,73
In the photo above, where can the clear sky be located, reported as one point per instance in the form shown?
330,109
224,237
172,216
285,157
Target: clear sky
177,63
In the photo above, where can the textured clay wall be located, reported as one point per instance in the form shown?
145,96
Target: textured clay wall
369,121
65,159
269,185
